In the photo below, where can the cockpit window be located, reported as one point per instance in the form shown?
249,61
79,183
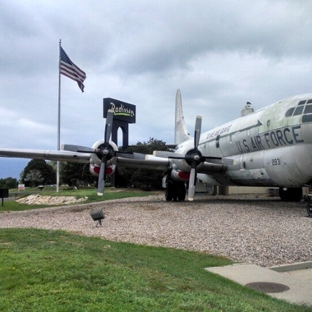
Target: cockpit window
304,106
308,109
298,110
289,112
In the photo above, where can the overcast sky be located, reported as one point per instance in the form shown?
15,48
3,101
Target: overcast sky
220,53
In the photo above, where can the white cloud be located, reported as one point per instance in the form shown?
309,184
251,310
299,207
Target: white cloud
219,53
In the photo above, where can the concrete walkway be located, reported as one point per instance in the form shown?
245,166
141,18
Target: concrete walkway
292,283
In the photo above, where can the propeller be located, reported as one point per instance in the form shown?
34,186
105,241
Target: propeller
106,152
194,158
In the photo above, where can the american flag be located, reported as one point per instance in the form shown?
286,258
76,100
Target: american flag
72,71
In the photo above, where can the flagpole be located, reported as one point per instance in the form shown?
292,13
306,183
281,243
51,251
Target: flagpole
59,123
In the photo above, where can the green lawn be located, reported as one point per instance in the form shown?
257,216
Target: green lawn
56,271
44,270
91,194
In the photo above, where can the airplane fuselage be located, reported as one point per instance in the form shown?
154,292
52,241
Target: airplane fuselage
270,147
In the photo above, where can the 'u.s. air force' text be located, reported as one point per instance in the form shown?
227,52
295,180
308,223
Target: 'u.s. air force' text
271,139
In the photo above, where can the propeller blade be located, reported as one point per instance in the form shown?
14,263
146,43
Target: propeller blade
105,151
101,180
197,131
191,189
76,148
109,124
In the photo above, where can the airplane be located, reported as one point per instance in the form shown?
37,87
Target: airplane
270,147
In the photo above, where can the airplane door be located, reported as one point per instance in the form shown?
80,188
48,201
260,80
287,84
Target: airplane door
223,145
245,175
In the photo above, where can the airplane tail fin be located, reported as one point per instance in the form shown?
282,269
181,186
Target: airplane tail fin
181,134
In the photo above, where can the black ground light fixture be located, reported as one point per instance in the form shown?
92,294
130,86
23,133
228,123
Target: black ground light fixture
97,215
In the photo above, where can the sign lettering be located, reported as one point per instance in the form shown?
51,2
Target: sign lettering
271,139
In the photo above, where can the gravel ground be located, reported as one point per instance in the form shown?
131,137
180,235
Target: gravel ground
258,230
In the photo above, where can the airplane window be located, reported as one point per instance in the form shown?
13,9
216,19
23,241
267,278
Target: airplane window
217,141
298,110
302,102
309,101
307,118
289,112
308,109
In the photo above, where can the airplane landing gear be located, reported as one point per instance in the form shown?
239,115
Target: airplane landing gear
290,194
175,191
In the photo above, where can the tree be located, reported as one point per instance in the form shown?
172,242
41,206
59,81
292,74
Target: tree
53,164
148,147
34,177
21,179
75,174
8,183
142,178
47,173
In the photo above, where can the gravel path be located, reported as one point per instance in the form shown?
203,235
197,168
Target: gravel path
263,231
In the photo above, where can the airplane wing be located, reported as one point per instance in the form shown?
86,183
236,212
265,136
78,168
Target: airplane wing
181,166
45,154
136,160
144,161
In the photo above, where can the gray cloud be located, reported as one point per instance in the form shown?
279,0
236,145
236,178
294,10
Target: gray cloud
219,53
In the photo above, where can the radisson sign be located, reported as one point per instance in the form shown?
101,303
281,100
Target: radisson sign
122,111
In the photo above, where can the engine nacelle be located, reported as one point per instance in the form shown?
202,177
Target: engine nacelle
95,159
182,176
185,149
95,170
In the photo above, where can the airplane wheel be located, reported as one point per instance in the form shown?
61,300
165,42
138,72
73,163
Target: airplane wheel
170,190
181,192
309,210
175,191
168,193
